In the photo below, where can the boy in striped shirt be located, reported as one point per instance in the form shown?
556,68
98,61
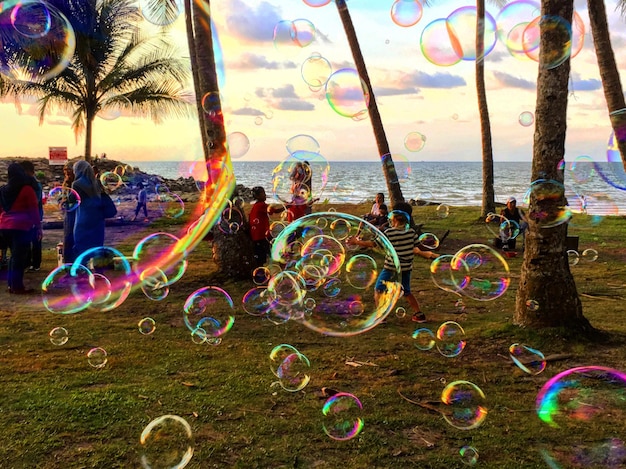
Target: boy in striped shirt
403,238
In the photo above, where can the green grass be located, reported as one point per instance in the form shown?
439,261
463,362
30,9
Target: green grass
58,412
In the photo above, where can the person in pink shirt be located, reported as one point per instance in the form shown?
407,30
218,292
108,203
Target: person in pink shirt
19,213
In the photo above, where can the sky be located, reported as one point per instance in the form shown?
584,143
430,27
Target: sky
267,101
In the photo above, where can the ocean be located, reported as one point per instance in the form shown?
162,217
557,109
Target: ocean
450,183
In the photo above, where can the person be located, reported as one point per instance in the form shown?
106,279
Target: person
299,207
142,202
69,218
34,253
375,210
404,240
89,223
514,213
19,212
381,221
301,183
260,225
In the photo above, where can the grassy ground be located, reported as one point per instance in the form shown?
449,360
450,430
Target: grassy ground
58,412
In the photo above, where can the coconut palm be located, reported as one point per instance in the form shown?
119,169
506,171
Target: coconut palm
114,67
545,277
609,72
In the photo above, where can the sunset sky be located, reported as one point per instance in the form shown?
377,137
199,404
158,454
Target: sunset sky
266,98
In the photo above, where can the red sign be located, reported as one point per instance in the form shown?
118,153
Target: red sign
58,155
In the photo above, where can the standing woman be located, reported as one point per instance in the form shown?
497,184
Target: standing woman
19,213
89,224
70,216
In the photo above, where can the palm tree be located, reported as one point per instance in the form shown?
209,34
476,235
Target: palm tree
545,276
389,169
114,67
609,73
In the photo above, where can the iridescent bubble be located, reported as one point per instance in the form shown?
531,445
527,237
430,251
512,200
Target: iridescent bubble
560,32
261,275
590,255
513,14
158,250
211,104
509,229
526,119
59,336
65,199
309,304
582,169
256,301
402,166
347,93
469,455
480,272
166,442
238,144
146,326
315,71
450,339
445,277
465,405
67,291
461,25
39,45
361,271
436,44
532,305
547,202
442,211
292,372
154,283
583,407
97,357
428,241
527,359
303,32
406,13
300,178
279,354
161,12
110,180
112,107
304,143
316,3
572,257
400,312
342,416
171,205
459,306
423,339
340,229
341,310
211,309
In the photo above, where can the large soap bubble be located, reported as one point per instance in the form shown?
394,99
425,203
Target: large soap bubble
339,280
166,442
303,175
480,272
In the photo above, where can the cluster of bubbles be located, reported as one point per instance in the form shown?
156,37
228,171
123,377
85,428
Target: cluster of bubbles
290,367
588,256
449,339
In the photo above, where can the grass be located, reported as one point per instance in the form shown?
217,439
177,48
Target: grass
58,412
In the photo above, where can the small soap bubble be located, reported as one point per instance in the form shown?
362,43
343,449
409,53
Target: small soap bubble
442,211
450,339
400,312
261,275
459,306
342,416
406,13
526,119
59,336
97,357
528,359
532,305
146,326
428,241
590,255
166,442
465,405
292,372
572,257
423,339
414,141
469,455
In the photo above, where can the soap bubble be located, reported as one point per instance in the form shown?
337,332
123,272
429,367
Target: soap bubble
450,339
146,326
526,119
65,199
211,309
436,44
442,211
97,357
400,312
303,174
292,372
59,336
347,94
342,416
315,71
469,455
583,406
590,255
414,141
68,290
166,442
532,305
406,13
428,241
547,199
423,339
238,144
572,257
361,271
461,25
528,359
445,276
465,405
480,272
256,301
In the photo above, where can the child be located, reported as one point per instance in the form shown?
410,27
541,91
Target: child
375,210
142,202
403,238
260,225
299,207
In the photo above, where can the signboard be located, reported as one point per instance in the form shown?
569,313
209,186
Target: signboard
58,155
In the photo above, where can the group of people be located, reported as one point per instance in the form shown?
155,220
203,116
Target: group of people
21,216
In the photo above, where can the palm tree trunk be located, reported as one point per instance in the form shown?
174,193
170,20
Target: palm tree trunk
545,275
88,136
488,202
609,73
389,169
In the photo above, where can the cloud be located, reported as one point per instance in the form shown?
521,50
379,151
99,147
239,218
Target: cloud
391,91
58,122
293,104
248,111
436,80
287,91
253,24
510,81
254,61
591,84
497,56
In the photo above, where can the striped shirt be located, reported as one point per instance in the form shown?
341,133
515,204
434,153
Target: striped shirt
403,241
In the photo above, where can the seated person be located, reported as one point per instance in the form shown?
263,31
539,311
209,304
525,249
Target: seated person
381,221
375,210
514,213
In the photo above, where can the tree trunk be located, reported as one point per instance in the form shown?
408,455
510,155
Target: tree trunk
488,203
545,276
609,73
233,252
88,136
389,169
